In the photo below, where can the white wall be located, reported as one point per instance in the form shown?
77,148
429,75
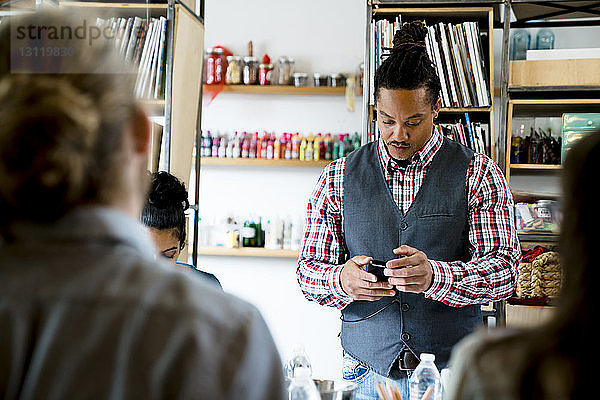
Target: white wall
322,36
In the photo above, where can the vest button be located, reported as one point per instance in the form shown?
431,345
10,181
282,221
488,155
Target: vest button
405,307
405,336
403,225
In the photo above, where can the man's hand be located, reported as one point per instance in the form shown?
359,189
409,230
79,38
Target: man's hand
411,273
361,285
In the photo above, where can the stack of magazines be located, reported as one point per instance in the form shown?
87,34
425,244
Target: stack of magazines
456,52
142,44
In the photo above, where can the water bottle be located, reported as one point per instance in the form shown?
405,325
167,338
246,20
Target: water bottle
302,386
425,376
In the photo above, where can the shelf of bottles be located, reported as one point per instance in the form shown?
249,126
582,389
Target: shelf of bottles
243,148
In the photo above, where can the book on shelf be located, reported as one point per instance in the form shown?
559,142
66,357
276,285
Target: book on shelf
456,52
142,44
474,135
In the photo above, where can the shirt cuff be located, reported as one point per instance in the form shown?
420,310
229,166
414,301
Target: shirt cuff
442,280
335,285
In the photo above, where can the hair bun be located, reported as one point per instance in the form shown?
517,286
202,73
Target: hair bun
167,192
410,37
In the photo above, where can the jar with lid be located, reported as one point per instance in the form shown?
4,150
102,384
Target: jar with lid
250,70
265,70
234,70
215,66
300,79
285,70
520,44
319,79
336,80
544,40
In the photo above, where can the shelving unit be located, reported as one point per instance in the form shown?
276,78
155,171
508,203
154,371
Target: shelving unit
281,90
247,252
433,12
545,88
534,107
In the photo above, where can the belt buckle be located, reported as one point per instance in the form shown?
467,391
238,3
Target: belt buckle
407,361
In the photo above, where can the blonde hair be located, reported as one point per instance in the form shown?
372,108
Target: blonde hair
61,132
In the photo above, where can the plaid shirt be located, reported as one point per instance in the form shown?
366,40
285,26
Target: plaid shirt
490,275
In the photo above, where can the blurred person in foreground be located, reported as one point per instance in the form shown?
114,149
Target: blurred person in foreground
555,360
86,311
164,215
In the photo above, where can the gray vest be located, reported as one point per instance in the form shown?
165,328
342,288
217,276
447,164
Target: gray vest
437,224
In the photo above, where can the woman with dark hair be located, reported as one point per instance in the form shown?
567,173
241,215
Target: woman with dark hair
439,216
557,359
164,215
86,311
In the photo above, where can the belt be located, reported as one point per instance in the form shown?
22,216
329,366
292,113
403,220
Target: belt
407,360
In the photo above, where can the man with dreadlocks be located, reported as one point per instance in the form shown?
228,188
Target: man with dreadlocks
439,215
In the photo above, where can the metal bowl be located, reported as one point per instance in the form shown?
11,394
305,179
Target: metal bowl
335,390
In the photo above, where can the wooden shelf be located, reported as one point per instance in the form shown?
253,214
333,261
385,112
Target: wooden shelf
537,166
281,90
261,162
459,12
465,109
90,4
247,252
450,110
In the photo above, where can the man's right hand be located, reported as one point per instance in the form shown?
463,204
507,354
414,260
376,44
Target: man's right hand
361,285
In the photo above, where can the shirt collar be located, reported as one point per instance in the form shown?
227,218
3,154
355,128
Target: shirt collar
422,157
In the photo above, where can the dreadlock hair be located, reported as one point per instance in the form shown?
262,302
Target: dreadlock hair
166,204
408,66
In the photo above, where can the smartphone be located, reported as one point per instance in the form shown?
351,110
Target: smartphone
376,267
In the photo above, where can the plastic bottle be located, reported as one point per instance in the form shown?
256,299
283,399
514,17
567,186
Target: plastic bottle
317,147
335,149
221,153
356,140
296,146
302,386
277,148
237,146
288,146
259,147
215,146
425,376
270,147
252,149
303,149
206,145
309,153
245,146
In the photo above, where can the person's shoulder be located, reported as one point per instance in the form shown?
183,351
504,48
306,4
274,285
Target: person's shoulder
482,364
207,275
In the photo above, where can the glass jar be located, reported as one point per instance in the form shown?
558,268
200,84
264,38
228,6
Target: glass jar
300,79
250,70
520,44
215,66
285,70
265,72
319,79
544,40
336,80
234,70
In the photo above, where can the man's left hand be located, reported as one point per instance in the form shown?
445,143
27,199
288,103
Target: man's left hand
410,273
